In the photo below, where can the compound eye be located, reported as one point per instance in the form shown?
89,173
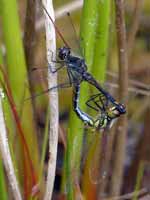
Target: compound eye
122,108
64,56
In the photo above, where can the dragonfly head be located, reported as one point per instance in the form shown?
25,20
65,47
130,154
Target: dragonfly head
118,109
63,53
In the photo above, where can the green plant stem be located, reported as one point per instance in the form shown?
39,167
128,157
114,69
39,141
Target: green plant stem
95,32
91,24
88,30
75,132
101,41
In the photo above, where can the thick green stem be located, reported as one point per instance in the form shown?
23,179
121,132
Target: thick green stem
95,33
93,49
101,41
75,133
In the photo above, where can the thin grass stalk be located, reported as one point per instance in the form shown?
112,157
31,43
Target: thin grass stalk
29,32
143,156
16,70
54,115
134,28
117,177
29,42
139,179
140,194
5,152
106,163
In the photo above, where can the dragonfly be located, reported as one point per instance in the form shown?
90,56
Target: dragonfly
77,73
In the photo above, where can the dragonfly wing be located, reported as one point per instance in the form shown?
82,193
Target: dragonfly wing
39,78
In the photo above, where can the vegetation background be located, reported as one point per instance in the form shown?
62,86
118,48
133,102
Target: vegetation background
115,41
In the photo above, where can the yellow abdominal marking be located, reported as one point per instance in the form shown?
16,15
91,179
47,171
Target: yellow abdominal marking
96,123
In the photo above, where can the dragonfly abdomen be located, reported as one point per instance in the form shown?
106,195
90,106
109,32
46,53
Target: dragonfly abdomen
82,115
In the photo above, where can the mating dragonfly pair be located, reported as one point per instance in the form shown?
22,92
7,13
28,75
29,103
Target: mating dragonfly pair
107,107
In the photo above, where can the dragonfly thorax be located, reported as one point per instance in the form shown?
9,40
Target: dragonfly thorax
64,53
102,121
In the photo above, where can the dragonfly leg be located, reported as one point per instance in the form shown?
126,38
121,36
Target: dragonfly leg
56,69
92,99
62,85
60,62
90,106
70,77
101,101
53,59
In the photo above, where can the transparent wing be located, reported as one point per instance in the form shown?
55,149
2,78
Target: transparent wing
38,76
